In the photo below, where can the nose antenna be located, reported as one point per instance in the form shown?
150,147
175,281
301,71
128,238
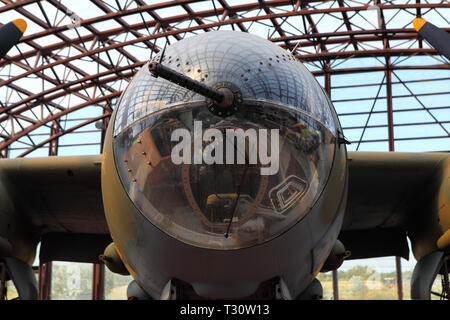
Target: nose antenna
163,52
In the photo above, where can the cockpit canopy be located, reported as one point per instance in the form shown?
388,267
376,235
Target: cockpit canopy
260,69
225,182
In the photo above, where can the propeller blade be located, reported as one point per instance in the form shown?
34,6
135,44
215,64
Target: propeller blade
10,35
437,37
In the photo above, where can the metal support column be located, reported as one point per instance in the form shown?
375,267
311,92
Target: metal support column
335,285
398,268
328,82
2,281
104,124
98,282
390,117
335,275
45,280
53,145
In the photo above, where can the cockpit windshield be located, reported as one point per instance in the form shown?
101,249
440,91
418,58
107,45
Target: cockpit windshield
225,182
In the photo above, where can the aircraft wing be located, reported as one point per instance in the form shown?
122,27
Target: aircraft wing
390,194
393,195
59,200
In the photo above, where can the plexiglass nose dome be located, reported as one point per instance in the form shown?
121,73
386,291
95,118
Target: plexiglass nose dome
225,182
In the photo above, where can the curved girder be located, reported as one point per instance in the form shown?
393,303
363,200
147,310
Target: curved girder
85,55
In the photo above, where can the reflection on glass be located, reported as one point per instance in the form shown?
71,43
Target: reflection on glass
116,286
229,203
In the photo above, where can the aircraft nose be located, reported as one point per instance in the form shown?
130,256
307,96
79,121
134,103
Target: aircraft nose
224,182
224,141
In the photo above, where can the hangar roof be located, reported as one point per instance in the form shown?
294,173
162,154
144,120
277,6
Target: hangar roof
59,85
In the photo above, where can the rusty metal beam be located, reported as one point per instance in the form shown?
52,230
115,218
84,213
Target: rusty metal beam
98,281
68,88
209,13
309,57
348,25
398,269
335,276
365,53
313,26
16,4
44,25
54,130
378,69
59,134
328,38
45,280
230,12
390,115
58,115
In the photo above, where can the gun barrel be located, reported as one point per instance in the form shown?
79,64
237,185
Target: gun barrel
159,70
